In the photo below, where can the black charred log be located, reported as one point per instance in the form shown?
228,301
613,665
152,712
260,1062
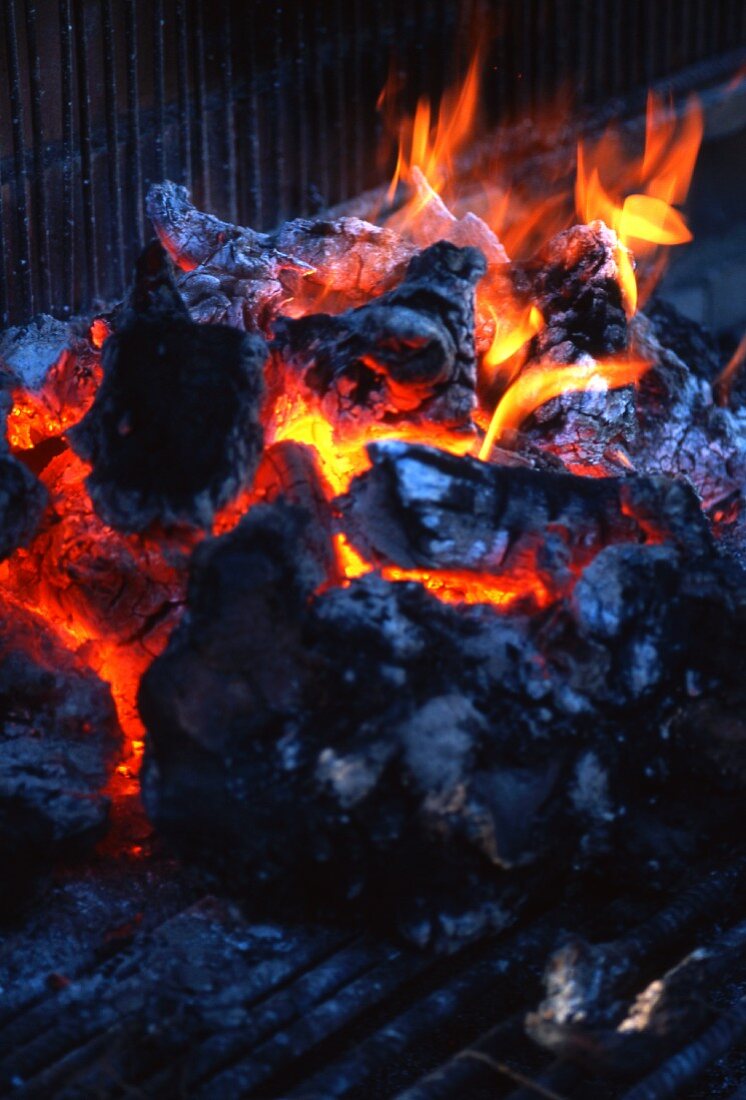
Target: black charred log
410,351
174,431
60,740
242,277
419,507
22,502
574,281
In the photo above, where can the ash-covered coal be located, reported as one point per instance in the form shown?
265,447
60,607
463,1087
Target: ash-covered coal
22,501
668,424
236,275
574,280
22,496
420,507
60,740
174,431
409,352
371,747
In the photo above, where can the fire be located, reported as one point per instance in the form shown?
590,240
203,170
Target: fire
453,586
640,201
511,334
99,332
431,144
547,380
340,450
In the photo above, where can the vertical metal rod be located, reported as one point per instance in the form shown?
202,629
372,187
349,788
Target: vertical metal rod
301,76
4,254
358,112
86,158
200,104
322,148
182,78
40,189
279,208
229,109
115,235
68,214
341,68
134,150
23,270
255,142
159,89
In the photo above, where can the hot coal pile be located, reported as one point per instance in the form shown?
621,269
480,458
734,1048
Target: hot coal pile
416,571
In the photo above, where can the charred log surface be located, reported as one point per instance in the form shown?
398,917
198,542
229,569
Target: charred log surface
174,431
22,502
419,507
239,276
585,1018
574,281
668,424
125,588
371,734
59,742
426,219
411,351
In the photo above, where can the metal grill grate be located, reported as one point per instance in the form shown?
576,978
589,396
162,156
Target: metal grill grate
265,109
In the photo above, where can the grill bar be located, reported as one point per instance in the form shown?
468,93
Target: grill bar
269,110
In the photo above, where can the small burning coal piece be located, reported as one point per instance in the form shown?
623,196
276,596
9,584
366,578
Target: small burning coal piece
59,739
22,503
174,432
574,280
422,508
242,277
410,351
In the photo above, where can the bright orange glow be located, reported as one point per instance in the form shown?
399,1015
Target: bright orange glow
430,143
639,196
453,586
511,334
341,450
100,331
547,380
34,418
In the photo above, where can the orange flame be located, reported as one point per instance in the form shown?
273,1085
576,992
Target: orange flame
431,144
511,334
640,203
543,382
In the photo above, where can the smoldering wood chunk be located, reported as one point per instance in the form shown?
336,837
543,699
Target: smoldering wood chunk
60,740
289,471
242,277
124,588
426,219
315,745
419,507
22,503
174,431
189,235
240,285
691,342
352,259
591,1016
411,351
667,424
574,281
327,741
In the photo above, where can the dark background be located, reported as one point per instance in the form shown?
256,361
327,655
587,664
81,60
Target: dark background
267,110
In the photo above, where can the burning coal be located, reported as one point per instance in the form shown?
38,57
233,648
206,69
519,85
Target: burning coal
397,537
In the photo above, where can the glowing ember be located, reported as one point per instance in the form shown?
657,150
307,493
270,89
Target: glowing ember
99,332
636,198
545,381
639,201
